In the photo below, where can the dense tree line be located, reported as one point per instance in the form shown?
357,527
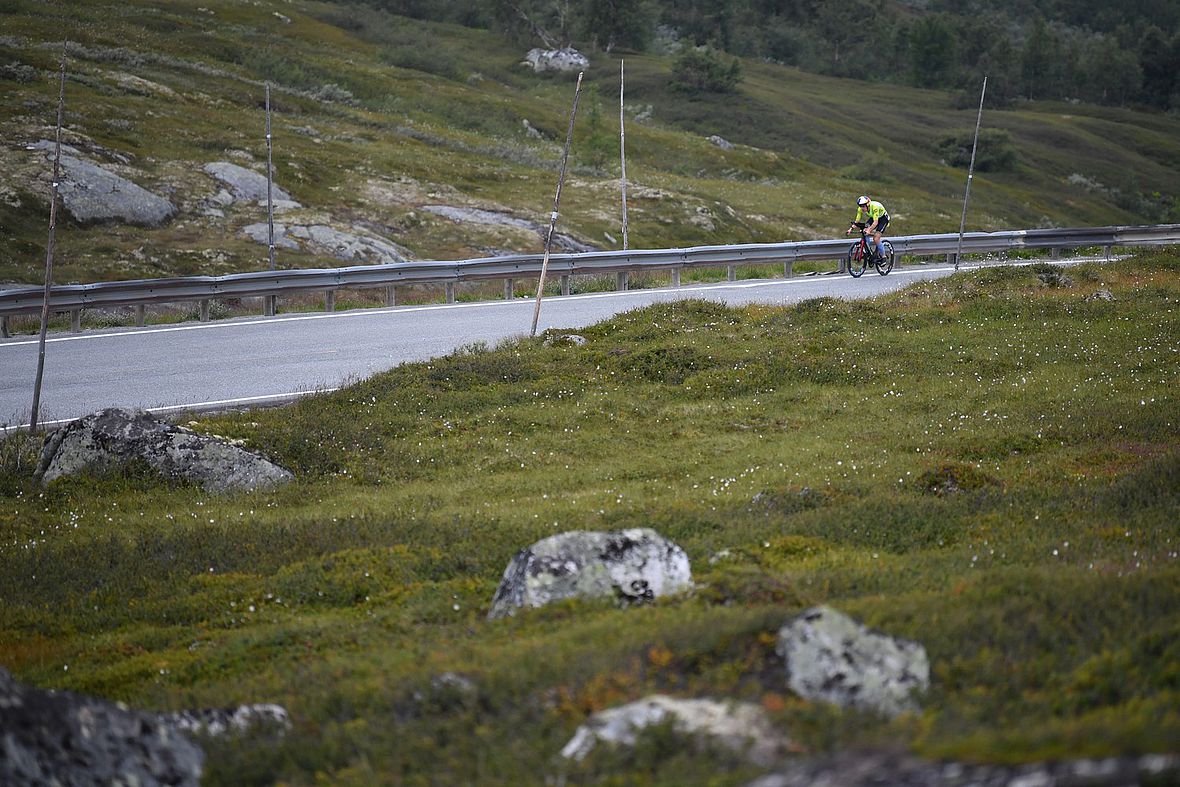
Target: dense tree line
1091,50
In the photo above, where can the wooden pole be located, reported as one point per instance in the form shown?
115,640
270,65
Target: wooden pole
61,100
623,155
569,136
270,210
970,174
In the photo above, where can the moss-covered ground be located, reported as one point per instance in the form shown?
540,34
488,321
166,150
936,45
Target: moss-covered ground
988,464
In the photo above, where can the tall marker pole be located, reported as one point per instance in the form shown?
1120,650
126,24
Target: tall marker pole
61,100
270,211
623,155
569,136
970,175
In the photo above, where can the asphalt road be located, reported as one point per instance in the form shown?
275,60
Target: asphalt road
251,361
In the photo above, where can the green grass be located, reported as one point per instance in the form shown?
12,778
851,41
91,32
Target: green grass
985,463
376,116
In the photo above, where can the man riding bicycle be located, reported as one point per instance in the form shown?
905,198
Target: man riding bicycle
872,219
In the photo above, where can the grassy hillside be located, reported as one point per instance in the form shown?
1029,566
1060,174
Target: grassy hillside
988,464
377,116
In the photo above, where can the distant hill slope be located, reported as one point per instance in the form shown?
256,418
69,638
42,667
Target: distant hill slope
382,125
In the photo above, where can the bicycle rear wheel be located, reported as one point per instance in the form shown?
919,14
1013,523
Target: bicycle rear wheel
885,265
855,262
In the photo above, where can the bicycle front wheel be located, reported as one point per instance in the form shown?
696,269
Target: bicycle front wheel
855,262
885,265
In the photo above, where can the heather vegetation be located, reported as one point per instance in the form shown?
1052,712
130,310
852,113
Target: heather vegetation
987,464
381,110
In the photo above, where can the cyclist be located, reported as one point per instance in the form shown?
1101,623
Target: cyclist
872,219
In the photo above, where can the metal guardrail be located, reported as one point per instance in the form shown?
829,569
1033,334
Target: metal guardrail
270,284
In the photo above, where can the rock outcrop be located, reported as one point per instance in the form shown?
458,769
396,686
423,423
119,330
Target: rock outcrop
740,727
633,565
353,246
62,738
831,657
115,438
90,193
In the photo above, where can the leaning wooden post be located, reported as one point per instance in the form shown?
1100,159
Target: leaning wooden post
61,100
270,210
623,155
569,135
970,174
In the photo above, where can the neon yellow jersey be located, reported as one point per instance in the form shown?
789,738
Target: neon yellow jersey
874,210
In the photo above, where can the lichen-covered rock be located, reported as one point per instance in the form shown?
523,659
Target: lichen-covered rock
564,59
740,727
91,193
116,437
62,738
635,565
831,657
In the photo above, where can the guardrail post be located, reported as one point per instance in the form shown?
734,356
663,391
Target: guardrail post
675,277
1054,253
509,289
390,295
731,273
621,281
330,301
952,259
140,316
1106,253
450,291
204,311
75,320
4,331
565,285
788,269
269,305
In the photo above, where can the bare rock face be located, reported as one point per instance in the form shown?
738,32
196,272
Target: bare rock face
219,722
741,727
115,437
831,657
245,184
61,738
91,193
356,246
635,565
564,59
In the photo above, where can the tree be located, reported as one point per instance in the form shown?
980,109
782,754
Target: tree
699,70
1159,69
1112,73
1040,61
932,51
611,23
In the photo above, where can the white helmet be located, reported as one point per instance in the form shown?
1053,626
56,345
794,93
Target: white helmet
862,200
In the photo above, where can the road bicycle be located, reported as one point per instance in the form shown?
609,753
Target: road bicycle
861,255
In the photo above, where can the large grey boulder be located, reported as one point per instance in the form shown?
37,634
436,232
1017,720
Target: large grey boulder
61,738
245,184
741,727
116,437
831,657
563,59
91,193
634,565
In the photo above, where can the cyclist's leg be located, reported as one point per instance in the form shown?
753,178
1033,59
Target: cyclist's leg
880,230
